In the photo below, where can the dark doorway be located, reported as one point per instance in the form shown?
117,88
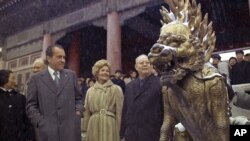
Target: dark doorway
92,45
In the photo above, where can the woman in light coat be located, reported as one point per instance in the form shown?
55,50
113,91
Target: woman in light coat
103,106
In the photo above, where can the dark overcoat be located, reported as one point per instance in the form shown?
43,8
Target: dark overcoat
52,109
14,124
142,113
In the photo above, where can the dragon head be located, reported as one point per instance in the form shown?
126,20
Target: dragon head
186,42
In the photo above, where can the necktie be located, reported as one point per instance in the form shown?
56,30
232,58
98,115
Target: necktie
56,78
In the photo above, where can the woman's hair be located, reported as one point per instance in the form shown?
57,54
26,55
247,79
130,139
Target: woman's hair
4,76
232,58
98,65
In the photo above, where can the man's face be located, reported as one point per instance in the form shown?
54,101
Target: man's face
239,57
118,75
79,82
143,66
247,58
215,61
11,82
91,83
57,61
232,62
133,74
38,67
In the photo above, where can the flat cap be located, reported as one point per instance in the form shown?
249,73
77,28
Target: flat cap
216,56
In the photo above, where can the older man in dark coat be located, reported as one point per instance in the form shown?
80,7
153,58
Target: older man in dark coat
54,100
142,114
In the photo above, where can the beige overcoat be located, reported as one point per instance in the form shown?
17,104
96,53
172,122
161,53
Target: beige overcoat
102,115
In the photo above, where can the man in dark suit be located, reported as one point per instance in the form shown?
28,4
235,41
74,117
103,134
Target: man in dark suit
240,71
118,80
54,101
142,113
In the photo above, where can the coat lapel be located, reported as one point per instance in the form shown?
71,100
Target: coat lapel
136,88
48,81
63,80
145,86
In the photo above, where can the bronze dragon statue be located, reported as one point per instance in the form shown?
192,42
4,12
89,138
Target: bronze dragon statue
194,92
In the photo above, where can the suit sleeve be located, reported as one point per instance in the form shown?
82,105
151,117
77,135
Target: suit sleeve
32,102
29,128
123,118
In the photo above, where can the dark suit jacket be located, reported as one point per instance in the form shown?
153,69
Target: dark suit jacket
52,109
142,114
120,83
240,73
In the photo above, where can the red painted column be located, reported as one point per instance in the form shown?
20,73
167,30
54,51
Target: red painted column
73,57
47,41
114,41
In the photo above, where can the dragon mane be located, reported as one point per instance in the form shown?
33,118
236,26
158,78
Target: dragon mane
182,12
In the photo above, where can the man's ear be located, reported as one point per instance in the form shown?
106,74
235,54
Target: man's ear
135,67
48,58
